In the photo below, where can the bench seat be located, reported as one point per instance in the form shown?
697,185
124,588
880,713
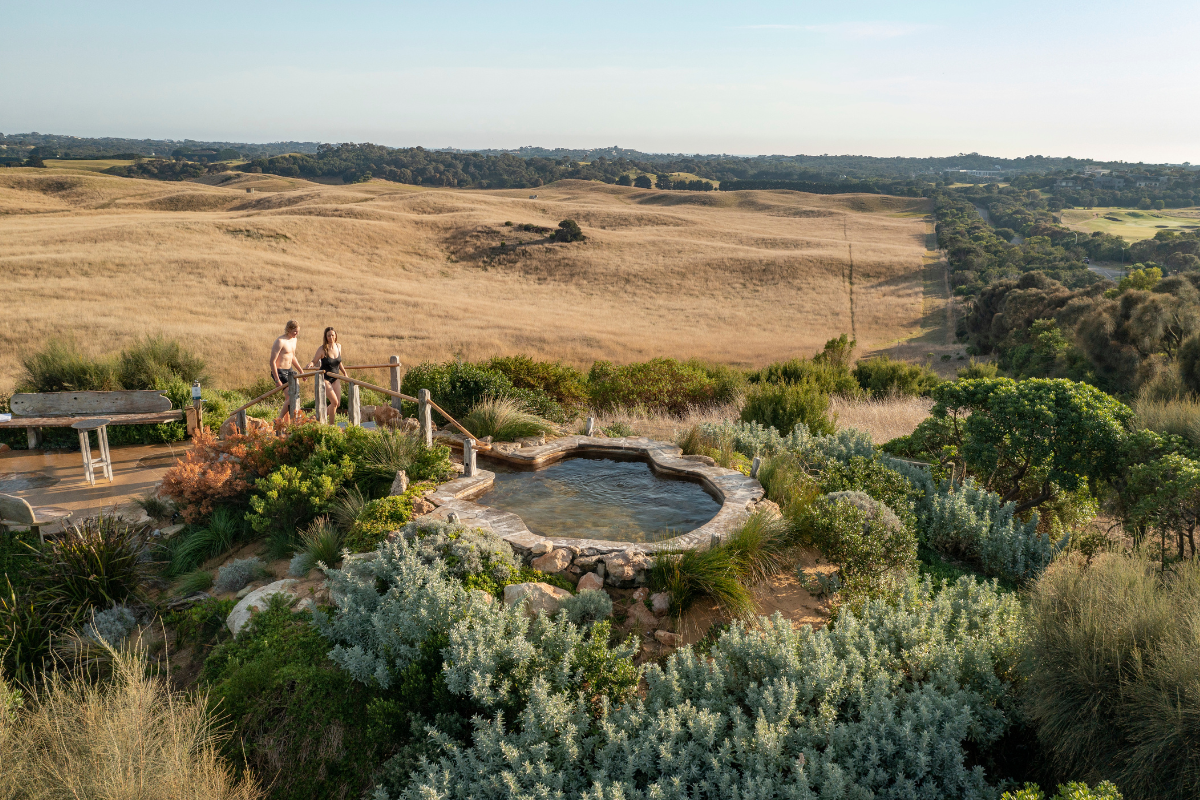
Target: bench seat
151,418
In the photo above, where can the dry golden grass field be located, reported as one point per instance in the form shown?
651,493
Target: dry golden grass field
741,277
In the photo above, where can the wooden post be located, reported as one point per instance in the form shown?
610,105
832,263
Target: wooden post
34,437
319,400
293,396
243,422
425,417
355,405
591,427
395,375
468,457
754,465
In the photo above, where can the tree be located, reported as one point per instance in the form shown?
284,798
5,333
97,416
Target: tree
1140,277
1159,205
624,180
569,231
1031,440
663,181
1169,492
643,182
1144,204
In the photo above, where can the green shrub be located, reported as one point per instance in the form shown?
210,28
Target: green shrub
193,546
1105,790
860,474
882,377
203,623
565,384
292,496
380,518
457,386
862,536
825,378
304,726
978,369
569,231
503,420
1114,690
661,385
155,361
786,481
782,406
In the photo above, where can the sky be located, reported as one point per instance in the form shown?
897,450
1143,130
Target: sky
1100,79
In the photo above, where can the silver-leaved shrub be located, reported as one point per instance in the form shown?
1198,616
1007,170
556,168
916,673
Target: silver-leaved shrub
880,705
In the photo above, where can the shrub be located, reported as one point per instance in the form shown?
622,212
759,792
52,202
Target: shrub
390,452
503,420
381,517
569,231
695,442
61,366
210,473
203,623
111,626
823,377
787,482
587,608
882,377
565,384
784,406
303,724
863,708
457,386
478,558
1105,790
234,576
155,361
155,507
880,482
862,536
130,736
661,385
96,562
1114,689
978,369
750,438
292,496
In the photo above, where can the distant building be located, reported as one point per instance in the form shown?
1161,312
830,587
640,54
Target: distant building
975,173
1066,183
1108,182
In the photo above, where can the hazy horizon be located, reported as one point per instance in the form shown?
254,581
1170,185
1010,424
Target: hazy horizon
932,78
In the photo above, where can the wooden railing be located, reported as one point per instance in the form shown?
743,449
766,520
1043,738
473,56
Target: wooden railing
425,404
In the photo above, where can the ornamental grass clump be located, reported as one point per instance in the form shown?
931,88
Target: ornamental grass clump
191,548
690,575
97,562
504,420
1114,691
128,736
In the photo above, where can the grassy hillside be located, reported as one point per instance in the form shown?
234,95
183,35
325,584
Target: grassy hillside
740,277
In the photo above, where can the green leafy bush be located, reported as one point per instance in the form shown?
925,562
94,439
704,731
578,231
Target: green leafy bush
292,496
784,406
457,386
660,385
882,377
1114,690
569,231
824,378
565,384
503,420
156,361
203,623
862,536
869,475
304,726
382,517
1105,790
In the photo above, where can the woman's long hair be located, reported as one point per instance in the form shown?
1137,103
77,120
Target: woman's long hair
327,345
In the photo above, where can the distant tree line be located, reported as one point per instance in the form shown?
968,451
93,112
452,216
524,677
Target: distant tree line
62,146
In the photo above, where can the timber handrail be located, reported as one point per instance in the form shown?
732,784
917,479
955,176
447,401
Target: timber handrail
262,397
369,366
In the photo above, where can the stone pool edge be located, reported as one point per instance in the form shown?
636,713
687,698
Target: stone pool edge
625,562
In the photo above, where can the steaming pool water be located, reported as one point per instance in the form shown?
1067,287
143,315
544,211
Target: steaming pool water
599,498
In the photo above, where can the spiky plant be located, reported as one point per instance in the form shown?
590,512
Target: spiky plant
504,420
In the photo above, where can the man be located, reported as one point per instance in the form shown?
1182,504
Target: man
284,363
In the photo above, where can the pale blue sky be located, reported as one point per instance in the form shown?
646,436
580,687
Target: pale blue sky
1112,80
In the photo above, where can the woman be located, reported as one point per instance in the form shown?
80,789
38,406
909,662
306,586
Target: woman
329,357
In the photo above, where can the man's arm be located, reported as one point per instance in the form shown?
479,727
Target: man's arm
274,353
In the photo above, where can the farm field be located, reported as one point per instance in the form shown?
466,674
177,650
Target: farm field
743,278
1131,223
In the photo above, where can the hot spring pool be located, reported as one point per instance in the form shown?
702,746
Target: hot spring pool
599,498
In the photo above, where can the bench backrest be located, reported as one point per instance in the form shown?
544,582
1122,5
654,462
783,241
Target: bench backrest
15,509
88,404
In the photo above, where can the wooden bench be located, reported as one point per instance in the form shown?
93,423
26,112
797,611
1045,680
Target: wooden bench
16,512
63,409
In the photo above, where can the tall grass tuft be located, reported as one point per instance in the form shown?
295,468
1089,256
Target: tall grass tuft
224,527
1179,416
155,361
787,483
691,574
1115,685
62,366
155,507
344,510
387,454
128,736
322,542
760,547
99,561
504,420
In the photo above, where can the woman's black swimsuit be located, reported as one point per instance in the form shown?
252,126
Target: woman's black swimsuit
331,367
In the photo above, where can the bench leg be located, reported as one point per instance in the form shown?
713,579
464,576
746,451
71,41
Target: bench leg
102,435
33,437
85,448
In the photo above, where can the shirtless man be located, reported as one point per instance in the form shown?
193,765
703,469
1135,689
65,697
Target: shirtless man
284,363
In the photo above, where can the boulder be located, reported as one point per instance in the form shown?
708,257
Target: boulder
538,597
257,601
668,638
421,506
638,615
641,594
590,581
400,483
555,561
540,548
623,566
660,602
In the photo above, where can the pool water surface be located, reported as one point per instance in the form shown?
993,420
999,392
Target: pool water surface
599,498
